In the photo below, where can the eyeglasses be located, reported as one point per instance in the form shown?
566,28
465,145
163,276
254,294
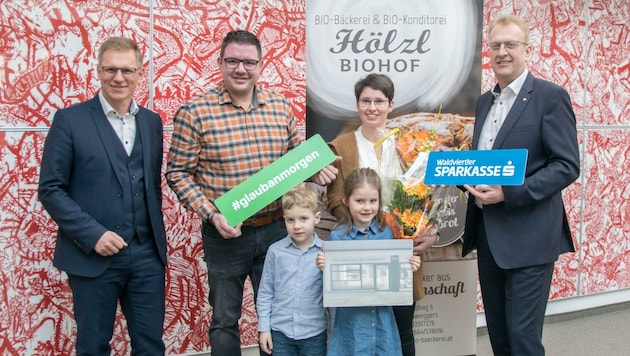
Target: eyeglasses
126,71
379,103
248,64
509,45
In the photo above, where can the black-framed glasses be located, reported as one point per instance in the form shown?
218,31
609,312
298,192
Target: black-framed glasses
379,103
232,63
509,45
126,71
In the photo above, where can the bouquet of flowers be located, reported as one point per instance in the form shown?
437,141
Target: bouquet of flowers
412,207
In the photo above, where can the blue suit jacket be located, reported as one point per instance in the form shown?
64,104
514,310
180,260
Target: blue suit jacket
530,227
82,191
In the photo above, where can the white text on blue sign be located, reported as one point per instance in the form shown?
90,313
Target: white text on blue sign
492,167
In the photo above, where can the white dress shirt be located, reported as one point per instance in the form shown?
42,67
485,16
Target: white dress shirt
503,101
124,126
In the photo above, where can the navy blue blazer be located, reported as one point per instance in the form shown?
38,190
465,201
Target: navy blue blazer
530,227
82,191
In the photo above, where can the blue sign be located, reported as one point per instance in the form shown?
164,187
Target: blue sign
492,167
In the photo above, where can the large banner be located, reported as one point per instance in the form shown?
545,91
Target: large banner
431,50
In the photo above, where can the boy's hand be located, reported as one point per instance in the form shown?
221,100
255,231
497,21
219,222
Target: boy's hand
320,260
264,340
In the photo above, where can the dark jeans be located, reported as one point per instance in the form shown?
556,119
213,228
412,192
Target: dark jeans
136,279
404,321
230,262
284,346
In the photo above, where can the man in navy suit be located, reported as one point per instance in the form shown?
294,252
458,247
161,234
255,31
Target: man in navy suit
101,182
519,231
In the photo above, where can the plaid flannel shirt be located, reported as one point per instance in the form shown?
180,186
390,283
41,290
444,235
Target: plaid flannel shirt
216,145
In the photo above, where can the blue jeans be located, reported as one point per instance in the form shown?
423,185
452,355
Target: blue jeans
230,262
284,346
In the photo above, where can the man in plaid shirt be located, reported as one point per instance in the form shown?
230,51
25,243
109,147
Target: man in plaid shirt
221,138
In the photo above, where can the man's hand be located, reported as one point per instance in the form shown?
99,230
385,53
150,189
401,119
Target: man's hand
110,243
486,194
224,228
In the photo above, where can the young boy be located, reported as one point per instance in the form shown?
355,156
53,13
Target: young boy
291,316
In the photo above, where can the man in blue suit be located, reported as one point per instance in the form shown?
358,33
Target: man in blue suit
101,182
519,231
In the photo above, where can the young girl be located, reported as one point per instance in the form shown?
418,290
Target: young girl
363,330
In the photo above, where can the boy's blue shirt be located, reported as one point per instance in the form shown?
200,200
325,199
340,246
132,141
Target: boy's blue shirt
290,295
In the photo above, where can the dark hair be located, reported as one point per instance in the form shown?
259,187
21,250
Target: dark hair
241,37
357,178
120,44
375,81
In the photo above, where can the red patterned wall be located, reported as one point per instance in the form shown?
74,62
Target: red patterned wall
47,61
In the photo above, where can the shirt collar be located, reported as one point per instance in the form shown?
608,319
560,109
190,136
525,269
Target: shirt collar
317,242
225,98
372,229
515,86
108,109
496,91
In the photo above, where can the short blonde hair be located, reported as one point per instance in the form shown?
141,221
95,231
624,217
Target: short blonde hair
508,19
301,197
120,44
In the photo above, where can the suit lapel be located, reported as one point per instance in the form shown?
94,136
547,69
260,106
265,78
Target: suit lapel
143,132
521,101
485,103
106,134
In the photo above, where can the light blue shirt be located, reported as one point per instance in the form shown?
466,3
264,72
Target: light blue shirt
363,331
290,295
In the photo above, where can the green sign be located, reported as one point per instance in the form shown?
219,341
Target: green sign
269,184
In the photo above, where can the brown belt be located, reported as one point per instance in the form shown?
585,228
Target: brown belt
263,220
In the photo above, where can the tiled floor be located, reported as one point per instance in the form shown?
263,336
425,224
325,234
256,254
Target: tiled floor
596,332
